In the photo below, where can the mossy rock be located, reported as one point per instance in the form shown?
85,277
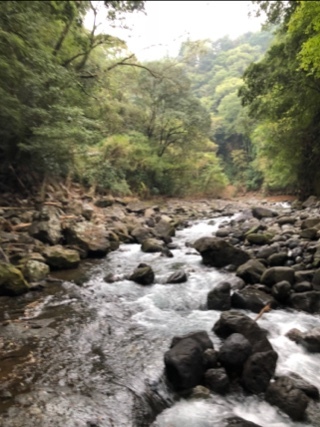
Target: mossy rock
12,282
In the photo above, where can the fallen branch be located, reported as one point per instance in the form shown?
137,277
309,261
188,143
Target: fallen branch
20,226
264,310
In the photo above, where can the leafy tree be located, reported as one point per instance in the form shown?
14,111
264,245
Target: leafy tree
285,98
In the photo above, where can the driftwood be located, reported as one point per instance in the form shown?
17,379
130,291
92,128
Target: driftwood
20,226
264,310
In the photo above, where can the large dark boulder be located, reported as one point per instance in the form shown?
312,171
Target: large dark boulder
231,322
234,352
258,371
284,394
251,298
219,253
251,271
220,298
184,365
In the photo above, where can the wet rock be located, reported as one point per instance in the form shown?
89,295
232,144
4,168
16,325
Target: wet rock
201,337
259,238
217,380
266,251
12,282
310,340
302,287
259,212
235,322
220,298
294,335
300,383
281,291
274,275
143,275
286,220
288,398
240,422
234,352
60,258
310,223
210,358
251,298
93,239
184,361
306,301
141,233
258,371
164,228
219,253
34,270
152,245
278,259
309,234
251,271
179,276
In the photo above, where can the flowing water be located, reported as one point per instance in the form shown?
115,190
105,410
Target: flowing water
96,350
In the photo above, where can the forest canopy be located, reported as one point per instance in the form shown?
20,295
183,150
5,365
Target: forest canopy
77,105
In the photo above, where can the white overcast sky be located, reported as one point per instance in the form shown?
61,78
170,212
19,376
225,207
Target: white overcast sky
165,24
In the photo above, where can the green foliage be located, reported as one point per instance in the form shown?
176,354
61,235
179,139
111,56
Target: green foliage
282,91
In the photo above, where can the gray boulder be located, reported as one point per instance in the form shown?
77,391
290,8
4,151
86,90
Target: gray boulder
46,226
234,352
284,394
251,271
273,275
91,238
60,258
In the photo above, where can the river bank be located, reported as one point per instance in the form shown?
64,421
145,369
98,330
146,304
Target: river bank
29,332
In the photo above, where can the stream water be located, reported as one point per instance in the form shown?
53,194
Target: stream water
98,348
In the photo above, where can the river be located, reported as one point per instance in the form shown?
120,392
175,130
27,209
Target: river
97,348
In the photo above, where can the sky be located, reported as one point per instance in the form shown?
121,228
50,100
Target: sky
165,24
